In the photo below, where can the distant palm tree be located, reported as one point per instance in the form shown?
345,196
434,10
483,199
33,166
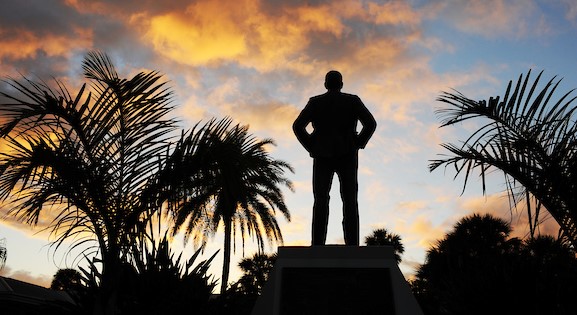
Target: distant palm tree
239,185
66,279
529,136
256,271
382,237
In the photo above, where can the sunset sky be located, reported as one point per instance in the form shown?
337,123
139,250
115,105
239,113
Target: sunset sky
258,61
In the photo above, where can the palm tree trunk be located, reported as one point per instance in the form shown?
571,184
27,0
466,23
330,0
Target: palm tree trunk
110,281
226,258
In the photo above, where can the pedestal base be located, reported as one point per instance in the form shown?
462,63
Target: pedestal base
336,280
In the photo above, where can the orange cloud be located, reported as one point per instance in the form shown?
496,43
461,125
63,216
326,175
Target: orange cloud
300,242
196,37
274,118
421,229
40,230
247,32
22,43
498,205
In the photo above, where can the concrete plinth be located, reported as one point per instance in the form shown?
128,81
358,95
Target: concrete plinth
336,280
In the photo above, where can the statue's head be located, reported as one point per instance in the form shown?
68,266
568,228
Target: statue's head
333,80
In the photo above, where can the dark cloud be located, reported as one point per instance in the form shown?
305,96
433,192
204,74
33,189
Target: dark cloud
41,16
129,7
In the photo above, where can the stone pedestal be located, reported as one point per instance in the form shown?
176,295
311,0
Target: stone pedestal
336,280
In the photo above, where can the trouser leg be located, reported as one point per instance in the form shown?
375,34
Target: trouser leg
347,172
322,180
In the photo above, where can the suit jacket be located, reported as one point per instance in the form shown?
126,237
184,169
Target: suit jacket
334,117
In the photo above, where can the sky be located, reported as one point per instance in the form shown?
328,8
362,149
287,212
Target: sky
259,61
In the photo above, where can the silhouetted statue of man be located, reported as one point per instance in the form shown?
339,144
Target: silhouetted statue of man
334,144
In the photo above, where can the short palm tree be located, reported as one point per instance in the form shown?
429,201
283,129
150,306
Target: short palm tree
256,271
238,185
382,237
88,158
66,279
468,267
528,135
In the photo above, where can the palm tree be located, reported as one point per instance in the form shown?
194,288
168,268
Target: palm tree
256,271
382,237
468,270
477,265
529,136
238,185
88,157
66,279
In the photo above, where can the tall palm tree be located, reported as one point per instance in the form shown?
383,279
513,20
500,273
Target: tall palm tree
88,157
238,185
382,237
528,135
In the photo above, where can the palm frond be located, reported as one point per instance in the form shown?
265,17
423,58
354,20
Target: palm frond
528,136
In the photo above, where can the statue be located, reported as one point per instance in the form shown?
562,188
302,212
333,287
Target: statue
333,144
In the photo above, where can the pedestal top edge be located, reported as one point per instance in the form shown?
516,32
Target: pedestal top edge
336,251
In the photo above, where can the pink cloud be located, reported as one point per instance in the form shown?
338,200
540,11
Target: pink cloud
26,276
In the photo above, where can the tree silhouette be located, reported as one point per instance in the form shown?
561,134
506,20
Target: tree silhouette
256,271
382,237
478,269
66,279
71,281
551,275
528,135
159,282
238,186
97,161
88,157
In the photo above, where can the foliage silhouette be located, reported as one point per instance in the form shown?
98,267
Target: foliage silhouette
161,284
67,279
155,282
72,282
86,157
239,186
102,163
240,297
477,267
382,237
256,271
531,138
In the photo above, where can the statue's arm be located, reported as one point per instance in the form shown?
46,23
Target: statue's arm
300,125
369,125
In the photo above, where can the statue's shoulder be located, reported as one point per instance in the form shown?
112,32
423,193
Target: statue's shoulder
318,97
331,95
347,95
